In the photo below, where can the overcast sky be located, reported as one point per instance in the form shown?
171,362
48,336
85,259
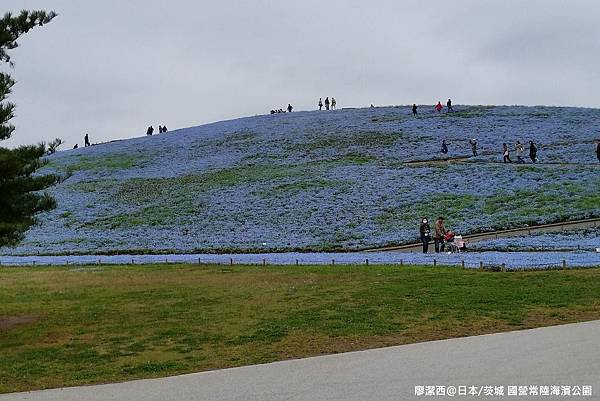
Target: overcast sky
113,67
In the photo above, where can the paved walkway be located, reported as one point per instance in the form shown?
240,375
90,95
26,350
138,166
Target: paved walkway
566,355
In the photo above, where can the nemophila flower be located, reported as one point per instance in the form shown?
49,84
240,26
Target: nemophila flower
490,260
349,179
586,239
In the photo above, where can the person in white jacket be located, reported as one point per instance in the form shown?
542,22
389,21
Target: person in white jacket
519,148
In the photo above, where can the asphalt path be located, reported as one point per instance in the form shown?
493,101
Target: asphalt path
559,356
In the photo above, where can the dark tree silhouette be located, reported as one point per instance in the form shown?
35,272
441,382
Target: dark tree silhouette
20,198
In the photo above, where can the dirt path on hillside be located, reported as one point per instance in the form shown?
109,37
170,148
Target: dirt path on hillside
468,159
437,161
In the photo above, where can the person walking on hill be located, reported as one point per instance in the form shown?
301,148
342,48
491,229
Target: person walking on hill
150,131
520,149
439,231
473,143
320,104
425,231
333,103
449,106
86,140
414,109
506,153
327,103
444,147
532,151
289,108
598,149
439,107
160,129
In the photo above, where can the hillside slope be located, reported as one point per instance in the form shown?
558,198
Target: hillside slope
345,179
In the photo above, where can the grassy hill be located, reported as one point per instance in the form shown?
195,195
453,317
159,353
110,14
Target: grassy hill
345,179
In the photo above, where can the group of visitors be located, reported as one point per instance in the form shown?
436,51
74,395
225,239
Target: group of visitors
506,151
161,130
438,107
277,111
86,139
440,234
328,104
86,142
519,149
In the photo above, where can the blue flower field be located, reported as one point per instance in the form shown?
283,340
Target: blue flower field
321,181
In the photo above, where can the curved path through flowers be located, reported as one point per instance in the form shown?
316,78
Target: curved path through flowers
544,228
403,254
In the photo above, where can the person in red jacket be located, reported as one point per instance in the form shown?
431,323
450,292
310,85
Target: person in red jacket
439,107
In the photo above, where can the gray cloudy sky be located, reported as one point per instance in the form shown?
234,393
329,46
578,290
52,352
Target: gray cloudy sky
113,67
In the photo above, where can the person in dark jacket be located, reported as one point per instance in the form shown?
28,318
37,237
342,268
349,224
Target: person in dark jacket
86,140
425,231
439,231
473,143
444,147
327,103
506,153
150,131
290,108
532,151
598,149
449,106
414,109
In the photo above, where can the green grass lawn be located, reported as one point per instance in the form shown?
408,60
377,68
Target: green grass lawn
64,326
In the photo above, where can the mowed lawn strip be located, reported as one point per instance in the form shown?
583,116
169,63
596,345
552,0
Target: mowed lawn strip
64,326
